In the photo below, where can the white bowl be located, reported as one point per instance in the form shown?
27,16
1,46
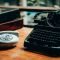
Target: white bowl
8,38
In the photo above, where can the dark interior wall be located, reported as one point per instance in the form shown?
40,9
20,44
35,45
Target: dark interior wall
11,2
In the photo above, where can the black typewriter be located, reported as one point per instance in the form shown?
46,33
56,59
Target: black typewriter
45,37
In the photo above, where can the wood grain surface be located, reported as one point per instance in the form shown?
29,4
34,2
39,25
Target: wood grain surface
18,52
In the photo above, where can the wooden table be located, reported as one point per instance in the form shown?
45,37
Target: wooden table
18,52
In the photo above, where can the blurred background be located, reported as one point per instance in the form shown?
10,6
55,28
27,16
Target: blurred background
29,16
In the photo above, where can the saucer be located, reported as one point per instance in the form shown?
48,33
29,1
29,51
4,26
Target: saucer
8,38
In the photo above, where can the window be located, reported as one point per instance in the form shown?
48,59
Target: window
43,2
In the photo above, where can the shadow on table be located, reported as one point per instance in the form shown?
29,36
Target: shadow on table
42,53
6,48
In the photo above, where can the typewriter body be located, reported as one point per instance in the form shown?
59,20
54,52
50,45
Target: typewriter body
45,37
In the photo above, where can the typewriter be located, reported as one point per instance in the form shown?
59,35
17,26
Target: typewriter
45,37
